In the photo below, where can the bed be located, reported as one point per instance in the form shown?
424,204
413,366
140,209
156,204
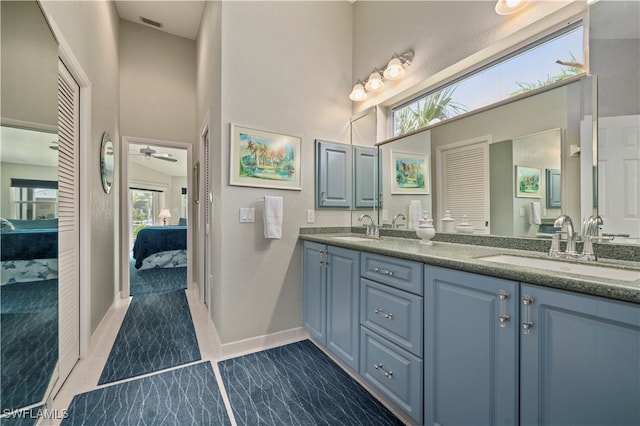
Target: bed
29,253
154,240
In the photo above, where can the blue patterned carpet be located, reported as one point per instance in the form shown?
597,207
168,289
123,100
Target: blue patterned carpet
185,396
157,333
298,384
28,340
156,280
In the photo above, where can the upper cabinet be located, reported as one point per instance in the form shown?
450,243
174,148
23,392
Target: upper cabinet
365,186
333,175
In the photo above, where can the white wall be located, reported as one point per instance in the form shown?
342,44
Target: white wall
91,30
157,84
174,198
285,67
29,61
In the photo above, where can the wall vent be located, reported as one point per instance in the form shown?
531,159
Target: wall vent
150,22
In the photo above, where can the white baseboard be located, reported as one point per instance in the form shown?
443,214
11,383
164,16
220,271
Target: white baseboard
118,303
260,343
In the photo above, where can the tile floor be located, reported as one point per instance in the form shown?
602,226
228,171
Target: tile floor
86,373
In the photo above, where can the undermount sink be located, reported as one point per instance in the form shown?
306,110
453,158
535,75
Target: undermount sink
352,238
571,268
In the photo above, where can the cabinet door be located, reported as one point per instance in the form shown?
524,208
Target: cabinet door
580,359
315,290
343,299
333,175
366,179
471,356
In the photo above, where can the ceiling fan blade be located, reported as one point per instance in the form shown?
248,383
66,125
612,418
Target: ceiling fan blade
165,157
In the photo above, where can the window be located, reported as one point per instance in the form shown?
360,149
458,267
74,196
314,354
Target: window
145,207
549,60
34,199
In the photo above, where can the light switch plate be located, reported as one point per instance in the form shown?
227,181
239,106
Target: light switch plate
247,215
311,216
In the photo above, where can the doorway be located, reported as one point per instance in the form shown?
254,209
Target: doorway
156,204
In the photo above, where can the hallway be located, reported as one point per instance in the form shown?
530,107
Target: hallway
294,384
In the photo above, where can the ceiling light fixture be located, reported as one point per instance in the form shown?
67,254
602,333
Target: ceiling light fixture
507,7
394,70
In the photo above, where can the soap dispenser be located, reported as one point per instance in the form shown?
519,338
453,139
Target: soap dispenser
426,231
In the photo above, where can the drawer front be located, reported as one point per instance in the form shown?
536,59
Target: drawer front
395,314
403,274
394,372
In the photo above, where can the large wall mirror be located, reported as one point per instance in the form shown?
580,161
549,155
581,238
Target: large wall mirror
545,145
28,192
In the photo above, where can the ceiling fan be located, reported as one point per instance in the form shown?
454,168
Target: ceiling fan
149,153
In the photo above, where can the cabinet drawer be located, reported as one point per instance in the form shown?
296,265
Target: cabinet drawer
403,274
395,314
393,371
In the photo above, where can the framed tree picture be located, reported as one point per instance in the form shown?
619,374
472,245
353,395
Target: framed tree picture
410,173
264,159
528,182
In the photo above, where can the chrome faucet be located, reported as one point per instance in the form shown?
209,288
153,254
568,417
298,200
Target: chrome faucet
395,218
372,228
591,234
564,222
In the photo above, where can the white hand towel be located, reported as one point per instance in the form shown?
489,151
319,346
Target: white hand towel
415,213
273,207
534,218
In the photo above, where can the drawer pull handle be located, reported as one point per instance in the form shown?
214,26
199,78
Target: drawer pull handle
380,311
383,271
387,374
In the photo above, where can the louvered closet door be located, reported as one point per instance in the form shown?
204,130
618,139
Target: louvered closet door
68,221
465,184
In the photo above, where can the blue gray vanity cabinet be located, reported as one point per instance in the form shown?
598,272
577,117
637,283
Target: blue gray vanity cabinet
580,359
391,312
471,348
331,299
333,175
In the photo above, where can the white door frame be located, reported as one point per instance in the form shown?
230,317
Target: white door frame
203,279
125,210
87,166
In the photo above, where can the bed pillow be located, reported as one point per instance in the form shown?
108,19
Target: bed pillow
35,224
182,221
5,225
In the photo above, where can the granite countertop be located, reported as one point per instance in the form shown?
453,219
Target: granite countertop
465,257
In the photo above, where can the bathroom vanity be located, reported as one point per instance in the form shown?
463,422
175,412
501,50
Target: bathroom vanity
448,337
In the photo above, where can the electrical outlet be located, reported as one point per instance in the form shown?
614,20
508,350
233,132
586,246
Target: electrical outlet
385,215
311,216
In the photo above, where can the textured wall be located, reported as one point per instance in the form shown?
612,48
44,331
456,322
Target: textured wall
91,30
284,67
157,84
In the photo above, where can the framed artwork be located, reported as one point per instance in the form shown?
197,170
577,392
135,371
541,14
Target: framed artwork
410,173
264,159
528,182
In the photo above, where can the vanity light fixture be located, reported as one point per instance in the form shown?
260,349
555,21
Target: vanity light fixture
358,93
507,7
374,82
394,70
